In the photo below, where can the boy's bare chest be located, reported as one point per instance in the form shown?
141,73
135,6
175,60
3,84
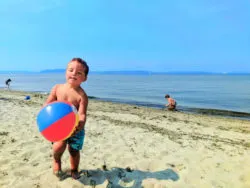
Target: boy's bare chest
69,96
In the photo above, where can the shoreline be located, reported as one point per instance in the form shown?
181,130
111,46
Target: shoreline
184,109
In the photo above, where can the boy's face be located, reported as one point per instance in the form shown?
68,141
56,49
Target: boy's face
75,74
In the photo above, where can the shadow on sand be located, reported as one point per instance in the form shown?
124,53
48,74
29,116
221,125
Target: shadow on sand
120,178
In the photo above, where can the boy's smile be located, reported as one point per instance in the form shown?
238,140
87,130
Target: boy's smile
72,78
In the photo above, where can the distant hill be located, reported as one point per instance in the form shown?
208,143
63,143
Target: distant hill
131,72
148,72
52,71
122,72
15,72
100,72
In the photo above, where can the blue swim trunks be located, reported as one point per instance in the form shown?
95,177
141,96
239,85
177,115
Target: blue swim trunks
76,141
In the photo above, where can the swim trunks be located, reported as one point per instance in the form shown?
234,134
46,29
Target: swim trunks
172,107
76,141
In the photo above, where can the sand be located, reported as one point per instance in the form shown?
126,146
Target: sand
140,147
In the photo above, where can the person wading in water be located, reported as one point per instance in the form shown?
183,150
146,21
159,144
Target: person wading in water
7,83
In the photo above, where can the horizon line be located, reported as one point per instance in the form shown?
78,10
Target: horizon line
124,71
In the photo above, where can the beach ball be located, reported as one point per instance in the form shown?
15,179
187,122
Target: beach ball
57,121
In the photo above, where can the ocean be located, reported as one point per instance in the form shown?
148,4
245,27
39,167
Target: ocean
192,92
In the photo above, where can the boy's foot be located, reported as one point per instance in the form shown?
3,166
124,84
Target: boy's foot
58,173
75,174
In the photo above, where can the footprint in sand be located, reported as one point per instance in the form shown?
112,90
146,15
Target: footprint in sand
14,152
19,173
37,185
3,142
3,173
35,164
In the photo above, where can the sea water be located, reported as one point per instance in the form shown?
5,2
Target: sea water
223,92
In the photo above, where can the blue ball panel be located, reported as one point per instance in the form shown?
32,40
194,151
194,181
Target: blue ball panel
52,113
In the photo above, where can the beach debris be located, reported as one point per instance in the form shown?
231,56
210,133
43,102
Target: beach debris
104,166
13,140
39,95
27,97
4,133
128,169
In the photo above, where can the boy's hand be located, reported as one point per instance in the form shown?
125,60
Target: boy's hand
75,132
79,127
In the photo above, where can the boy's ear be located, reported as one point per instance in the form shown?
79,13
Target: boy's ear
86,77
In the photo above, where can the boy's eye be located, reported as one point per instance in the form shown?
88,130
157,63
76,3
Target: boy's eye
79,73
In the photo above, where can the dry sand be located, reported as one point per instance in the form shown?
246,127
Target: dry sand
141,147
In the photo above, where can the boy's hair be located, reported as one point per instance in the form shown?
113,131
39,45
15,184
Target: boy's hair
83,63
167,96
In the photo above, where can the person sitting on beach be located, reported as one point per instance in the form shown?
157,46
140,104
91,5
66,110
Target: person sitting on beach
71,91
7,83
171,102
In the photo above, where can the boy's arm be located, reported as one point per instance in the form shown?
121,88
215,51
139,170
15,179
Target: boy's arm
52,96
82,112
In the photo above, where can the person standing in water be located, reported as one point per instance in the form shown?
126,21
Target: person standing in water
7,83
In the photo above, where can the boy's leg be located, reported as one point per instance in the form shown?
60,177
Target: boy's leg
74,162
58,149
75,145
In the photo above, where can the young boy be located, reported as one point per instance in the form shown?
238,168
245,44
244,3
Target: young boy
71,91
171,102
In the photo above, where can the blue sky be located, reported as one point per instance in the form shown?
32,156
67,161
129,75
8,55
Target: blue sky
160,35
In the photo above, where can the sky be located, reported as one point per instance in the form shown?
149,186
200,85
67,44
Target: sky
159,35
